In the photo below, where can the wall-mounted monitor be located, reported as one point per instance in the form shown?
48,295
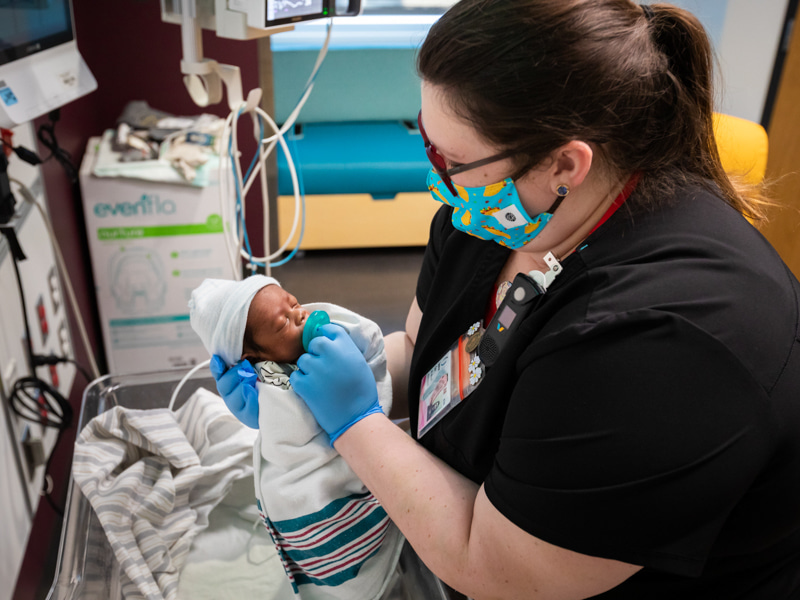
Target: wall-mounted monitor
40,67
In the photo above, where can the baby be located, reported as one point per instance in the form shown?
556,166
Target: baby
334,538
274,327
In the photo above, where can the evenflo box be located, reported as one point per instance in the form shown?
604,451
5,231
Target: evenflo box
151,244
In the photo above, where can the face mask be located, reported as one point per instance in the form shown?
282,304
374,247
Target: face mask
493,212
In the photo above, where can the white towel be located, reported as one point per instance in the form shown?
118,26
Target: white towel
334,538
153,477
218,313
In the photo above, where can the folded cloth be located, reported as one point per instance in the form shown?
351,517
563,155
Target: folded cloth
153,477
334,538
218,313
109,163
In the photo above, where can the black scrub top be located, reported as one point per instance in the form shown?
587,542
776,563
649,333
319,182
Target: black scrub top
647,410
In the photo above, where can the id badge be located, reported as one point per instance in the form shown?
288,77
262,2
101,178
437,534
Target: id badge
454,377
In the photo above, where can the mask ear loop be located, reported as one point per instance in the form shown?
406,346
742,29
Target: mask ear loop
562,191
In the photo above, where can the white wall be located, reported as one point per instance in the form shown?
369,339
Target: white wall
750,40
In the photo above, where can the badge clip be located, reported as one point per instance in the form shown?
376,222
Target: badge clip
554,270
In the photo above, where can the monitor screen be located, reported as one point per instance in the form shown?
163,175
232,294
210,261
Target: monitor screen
278,10
30,26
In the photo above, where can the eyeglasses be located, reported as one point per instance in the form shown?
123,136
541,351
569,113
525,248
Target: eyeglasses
440,166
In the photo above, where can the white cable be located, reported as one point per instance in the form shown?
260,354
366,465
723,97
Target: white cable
226,211
295,188
186,377
235,224
308,87
62,267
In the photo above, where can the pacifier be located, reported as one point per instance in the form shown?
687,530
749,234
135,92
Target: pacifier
315,320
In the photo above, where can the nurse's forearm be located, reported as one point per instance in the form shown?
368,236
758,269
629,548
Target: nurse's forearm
431,503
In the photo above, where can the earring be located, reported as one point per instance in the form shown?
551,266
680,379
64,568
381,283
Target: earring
562,190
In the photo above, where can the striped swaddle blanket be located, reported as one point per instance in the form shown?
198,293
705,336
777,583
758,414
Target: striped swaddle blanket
153,477
335,540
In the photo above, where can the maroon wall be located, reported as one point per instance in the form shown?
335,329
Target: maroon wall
133,56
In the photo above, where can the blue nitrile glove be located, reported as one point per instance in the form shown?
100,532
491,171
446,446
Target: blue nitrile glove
335,381
237,386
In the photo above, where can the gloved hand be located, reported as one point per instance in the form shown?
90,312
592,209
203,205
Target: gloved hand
237,386
335,381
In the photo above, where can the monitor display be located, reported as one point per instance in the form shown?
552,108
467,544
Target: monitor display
289,11
30,26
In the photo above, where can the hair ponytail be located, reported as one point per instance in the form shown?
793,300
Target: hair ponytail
638,83
690,64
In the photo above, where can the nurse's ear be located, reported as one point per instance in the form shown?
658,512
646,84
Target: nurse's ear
570,166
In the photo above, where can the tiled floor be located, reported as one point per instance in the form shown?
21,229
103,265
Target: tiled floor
377,283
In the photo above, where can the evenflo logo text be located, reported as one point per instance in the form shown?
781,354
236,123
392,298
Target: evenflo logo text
148,204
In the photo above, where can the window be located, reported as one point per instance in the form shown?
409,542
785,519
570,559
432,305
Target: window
406,7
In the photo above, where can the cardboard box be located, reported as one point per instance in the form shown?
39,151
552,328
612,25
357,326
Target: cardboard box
151,244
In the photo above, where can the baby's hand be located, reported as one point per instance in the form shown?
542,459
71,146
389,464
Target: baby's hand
237,386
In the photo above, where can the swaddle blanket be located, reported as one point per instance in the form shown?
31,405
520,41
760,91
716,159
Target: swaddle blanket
153,477
334,538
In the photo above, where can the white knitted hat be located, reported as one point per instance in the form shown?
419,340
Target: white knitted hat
218,313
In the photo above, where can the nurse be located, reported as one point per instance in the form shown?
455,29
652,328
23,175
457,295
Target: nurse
637,433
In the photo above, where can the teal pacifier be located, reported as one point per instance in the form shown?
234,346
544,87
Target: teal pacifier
315,320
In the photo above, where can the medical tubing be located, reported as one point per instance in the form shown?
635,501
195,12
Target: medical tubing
62,267
237,176
290,162
229,133
295,186
308,87
295,250
224,207
265,203
186,377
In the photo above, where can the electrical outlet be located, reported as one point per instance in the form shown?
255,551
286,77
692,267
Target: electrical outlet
41,313
55,291
64,340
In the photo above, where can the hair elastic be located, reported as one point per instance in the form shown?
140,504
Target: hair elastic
648,11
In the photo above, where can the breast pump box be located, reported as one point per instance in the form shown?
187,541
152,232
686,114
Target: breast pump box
151,244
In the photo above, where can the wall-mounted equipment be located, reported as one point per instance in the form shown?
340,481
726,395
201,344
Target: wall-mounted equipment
40,67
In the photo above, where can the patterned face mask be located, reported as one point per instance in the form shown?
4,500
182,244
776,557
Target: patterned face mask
493,212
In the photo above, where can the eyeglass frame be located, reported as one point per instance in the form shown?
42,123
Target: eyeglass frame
441,170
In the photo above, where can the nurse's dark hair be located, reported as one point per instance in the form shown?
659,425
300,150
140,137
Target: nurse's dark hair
532,75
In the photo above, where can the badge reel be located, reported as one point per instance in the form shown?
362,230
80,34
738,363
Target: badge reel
518,301
460,370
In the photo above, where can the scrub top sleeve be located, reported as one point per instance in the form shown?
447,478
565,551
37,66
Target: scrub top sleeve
634,442
440,230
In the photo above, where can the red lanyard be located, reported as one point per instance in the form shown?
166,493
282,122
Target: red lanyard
618,201
491,306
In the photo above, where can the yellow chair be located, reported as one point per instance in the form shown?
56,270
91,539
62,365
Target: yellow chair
742,147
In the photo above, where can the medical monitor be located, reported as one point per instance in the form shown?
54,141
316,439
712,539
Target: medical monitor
272,13
40,67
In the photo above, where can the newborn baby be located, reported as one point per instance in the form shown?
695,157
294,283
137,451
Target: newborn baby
274,327
334,538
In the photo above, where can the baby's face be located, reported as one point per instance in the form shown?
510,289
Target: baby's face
276,321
